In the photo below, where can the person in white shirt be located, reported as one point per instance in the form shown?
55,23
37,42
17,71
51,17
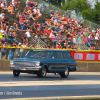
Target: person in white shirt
50,36
27,2
96,37
2,5
2,31
28,33
35,10
2,16
38,11
55,21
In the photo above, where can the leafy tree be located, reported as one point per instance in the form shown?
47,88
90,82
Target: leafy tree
87,14
97,12
56,2
77,5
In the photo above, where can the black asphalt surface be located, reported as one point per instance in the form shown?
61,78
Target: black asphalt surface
49,91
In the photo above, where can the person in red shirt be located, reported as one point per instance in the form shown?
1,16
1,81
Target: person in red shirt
67,18
57,46
53,37
49,31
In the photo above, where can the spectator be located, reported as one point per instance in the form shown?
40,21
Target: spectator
23,27
13,51
2,16
2,5
28,33
24,37
69,43
15,27
11,38
64,46
0,50
81,24
32,45
57,46
21,50
50,14
3,50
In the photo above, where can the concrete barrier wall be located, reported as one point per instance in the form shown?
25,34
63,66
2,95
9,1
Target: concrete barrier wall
88,67
81,67
4,65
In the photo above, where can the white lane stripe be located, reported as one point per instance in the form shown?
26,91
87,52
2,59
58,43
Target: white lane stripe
41,83
71,73
59,97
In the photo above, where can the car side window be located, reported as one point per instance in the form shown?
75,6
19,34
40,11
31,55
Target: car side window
47,54
67,55
54,55
60,56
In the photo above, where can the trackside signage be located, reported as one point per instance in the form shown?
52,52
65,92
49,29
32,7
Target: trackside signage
86,56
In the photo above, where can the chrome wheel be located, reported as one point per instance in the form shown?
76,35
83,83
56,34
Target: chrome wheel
16,73
66,71
42,72
65,74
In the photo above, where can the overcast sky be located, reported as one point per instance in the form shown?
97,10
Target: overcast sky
93,2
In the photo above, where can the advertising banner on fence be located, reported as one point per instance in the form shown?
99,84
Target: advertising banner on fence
86,56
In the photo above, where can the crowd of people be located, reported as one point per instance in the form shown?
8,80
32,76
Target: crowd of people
61,30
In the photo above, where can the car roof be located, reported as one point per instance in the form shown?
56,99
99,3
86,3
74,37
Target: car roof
50,50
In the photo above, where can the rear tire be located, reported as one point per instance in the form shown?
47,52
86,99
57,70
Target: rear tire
42,72
16,73
65,74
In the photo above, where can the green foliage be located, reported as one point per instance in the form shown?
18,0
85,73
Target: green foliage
97,12
87,14
77,5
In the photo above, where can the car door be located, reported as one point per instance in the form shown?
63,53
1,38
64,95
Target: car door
61,63
67,59
53,62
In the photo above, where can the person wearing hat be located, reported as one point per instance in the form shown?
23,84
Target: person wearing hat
19,44
14,26
21,50
17,51
64,46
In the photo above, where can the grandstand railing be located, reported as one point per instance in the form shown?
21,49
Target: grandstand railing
40,42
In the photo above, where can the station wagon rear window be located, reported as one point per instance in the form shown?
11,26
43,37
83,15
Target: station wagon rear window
67,55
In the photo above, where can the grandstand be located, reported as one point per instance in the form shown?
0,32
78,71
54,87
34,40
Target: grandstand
41,25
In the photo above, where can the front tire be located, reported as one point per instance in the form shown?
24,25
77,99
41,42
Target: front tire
42,72
65,74
16,73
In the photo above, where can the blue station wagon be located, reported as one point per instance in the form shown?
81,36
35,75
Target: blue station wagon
42,61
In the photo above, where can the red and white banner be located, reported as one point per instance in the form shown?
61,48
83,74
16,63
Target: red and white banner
86,56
